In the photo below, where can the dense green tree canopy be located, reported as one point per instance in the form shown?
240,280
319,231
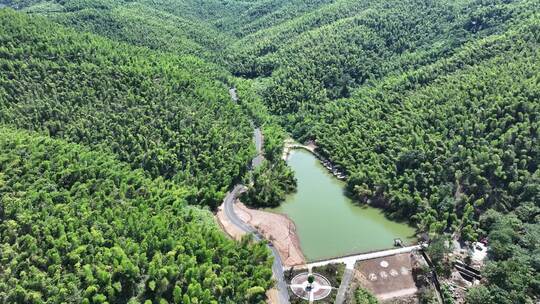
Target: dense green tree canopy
430,107
167,114
271,184
77,226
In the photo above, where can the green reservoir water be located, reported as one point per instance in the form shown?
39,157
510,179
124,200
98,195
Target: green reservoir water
328,223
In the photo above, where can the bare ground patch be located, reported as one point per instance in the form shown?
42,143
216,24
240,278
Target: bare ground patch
277,228
388,277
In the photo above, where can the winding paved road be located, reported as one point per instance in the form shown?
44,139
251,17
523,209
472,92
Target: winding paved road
229,211
228,203
277,267
257,137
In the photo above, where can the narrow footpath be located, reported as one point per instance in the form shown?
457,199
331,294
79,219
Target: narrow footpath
345,281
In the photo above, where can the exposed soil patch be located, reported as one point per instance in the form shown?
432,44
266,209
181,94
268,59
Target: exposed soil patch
230,229
277,228
387,277
272,296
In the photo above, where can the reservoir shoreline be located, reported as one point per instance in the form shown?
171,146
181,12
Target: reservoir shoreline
289,145
330,224
339,238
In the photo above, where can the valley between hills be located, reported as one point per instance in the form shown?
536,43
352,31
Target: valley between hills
269,151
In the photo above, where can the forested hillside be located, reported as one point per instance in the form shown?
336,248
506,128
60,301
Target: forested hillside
200,28
329,53
169,115
469,122
77,226
432,108
134,22
433,114
449,142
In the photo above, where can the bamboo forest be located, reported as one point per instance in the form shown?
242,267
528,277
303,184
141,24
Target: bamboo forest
149,151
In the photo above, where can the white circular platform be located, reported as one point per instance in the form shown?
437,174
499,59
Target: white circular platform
320,288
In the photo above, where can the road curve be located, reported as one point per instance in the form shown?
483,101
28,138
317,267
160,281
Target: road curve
277,267
228,206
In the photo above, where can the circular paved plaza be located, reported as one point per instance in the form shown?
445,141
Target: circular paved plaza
320,288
